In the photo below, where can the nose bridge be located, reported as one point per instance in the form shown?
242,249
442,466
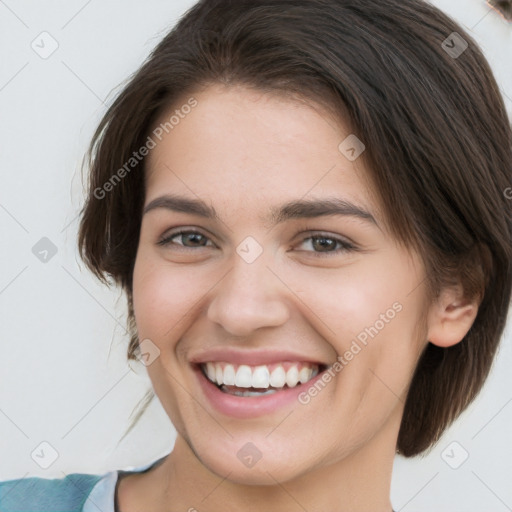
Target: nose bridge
249,296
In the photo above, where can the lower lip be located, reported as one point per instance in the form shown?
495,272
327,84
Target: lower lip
252,406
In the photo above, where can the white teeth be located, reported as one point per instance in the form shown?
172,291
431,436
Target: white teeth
243,377
210,371
219,375
292,377
305,375
229,375
259,377
278,377
253,393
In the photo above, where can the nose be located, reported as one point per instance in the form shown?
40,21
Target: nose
249,297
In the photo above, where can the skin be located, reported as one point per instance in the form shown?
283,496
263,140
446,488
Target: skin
244,151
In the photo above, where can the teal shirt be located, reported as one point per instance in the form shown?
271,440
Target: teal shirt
76,492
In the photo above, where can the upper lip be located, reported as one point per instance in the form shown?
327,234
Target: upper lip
251,357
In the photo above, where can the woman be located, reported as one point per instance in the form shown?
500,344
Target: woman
305,204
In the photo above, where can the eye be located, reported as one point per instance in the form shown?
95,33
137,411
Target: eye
326,245
322,244
195,238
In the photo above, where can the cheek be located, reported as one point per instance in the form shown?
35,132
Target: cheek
162,295
369,312
349,299
371,316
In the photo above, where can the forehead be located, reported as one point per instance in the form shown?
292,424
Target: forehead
244,148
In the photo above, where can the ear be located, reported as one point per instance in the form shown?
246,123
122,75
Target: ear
450,317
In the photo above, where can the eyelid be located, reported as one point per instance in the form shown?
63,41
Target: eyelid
164,240
346,244
315,233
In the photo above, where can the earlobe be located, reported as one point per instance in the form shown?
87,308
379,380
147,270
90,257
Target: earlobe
450,318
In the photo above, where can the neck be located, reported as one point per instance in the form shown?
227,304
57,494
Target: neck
359,482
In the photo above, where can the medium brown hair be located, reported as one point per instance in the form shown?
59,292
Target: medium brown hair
438,153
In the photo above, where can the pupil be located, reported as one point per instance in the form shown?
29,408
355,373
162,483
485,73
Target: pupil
323,243
194,237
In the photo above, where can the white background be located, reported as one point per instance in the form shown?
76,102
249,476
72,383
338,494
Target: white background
64,376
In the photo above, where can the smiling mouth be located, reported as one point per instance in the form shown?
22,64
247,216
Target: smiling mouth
250,381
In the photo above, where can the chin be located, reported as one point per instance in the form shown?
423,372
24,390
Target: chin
241,461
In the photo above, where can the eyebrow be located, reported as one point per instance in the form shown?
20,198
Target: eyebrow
299,209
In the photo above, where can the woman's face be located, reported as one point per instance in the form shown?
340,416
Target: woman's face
285,281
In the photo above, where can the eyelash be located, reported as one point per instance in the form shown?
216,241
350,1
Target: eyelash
345,246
